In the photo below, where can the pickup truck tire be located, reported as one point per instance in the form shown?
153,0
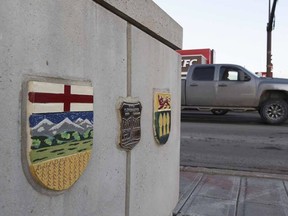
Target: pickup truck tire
219,111
274,111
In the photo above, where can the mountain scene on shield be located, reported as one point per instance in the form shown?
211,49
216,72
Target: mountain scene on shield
60,134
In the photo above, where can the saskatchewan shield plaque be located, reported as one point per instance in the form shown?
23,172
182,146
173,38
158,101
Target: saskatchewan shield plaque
162,116
59,132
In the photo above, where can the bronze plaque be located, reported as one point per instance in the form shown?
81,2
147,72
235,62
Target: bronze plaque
130,126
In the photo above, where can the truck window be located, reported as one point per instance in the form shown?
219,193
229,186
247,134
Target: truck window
231,73
203,74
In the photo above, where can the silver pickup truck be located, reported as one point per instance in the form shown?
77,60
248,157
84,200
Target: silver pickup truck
220,88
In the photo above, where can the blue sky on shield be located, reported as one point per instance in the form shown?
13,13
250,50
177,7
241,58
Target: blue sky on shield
236,30
56,118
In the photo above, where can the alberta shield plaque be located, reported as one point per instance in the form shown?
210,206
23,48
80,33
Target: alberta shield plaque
162,116
130,125
59,132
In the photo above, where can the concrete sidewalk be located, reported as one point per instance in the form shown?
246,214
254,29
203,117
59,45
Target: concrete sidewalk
208,194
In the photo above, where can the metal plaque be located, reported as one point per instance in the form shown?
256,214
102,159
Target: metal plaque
130,125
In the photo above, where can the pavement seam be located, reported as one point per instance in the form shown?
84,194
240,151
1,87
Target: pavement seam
240,205
237,199
285,187
214,197
233,172
189,196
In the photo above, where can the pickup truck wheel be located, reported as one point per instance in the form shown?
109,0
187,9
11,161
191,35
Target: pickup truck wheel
274,111
219,111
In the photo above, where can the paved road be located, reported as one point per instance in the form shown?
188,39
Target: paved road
236,141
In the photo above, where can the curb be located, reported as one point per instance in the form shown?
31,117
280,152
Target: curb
233,172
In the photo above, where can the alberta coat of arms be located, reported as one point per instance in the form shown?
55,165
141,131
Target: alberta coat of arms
59,132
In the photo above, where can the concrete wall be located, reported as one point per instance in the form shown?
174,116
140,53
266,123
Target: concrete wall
154,168
86,40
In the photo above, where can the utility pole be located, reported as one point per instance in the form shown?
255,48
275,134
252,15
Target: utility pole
270,27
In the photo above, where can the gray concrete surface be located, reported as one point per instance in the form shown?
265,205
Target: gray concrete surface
212,194
85,41
148,17
151,165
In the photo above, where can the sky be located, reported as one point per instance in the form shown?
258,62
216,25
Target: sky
236,30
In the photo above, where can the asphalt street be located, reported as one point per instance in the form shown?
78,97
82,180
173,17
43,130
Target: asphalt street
236,141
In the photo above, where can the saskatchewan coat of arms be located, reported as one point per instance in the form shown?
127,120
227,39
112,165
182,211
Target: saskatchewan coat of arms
162,116
59,132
